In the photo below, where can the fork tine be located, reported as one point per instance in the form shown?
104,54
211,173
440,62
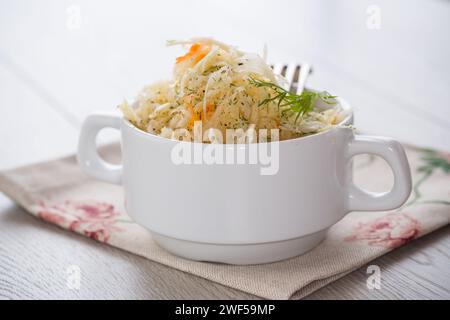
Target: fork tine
296,74
303,75
291,75
277,68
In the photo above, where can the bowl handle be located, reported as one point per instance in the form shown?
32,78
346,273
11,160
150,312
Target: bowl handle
88,157
394,154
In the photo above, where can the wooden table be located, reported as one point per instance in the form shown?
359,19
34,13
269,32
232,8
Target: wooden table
61,60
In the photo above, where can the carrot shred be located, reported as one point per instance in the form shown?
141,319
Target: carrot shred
195,117
199,116
210,108
196,53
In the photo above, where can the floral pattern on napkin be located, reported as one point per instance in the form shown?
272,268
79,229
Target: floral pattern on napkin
391,230
96,220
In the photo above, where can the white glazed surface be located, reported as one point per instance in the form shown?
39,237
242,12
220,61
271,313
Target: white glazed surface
234,204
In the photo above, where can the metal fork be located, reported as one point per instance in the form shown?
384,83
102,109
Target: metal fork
295,73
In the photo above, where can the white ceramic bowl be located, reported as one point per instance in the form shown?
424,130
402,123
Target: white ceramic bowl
231,213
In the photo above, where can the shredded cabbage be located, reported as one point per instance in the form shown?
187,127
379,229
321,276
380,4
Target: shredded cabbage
210,84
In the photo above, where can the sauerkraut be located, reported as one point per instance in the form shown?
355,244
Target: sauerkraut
214,84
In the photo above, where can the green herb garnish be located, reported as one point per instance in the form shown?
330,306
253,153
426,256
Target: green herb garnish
301,104
211,70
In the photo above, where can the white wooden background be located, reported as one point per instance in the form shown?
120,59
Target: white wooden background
60,60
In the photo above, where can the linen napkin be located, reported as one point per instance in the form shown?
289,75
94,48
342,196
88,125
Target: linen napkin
58,192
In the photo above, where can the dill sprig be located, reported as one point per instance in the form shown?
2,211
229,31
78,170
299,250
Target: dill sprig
300,104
